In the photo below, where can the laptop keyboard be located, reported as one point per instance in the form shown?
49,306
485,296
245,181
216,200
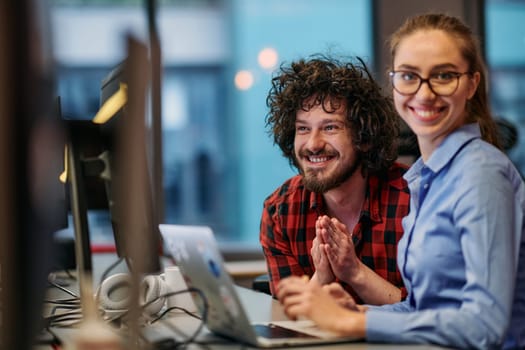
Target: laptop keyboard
273,331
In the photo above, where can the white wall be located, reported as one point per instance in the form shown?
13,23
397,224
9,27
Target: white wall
96,35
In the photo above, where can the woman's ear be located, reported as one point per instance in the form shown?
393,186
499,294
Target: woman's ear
473,84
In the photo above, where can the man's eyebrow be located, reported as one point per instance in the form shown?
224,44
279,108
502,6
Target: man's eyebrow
332,120
407,67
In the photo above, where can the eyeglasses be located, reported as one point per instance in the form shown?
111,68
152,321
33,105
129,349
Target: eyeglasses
442,83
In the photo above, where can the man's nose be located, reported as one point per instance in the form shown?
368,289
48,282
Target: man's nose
315,141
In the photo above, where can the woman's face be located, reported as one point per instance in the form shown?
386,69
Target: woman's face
432,117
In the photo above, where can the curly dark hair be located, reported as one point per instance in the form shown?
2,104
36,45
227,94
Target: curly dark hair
327,81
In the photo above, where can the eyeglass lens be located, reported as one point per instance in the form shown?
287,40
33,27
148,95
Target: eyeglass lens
408,83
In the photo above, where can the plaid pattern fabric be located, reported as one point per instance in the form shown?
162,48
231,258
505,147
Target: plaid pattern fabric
288,227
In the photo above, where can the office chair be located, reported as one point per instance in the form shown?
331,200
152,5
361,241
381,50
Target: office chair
261,284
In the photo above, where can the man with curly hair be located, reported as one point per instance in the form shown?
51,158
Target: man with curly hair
339,219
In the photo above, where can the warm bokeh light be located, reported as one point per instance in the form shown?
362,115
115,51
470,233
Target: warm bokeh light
268,58
243,80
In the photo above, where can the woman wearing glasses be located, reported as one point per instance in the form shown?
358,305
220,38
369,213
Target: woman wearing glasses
462,256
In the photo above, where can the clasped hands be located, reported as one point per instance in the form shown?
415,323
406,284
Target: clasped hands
320,299
333,252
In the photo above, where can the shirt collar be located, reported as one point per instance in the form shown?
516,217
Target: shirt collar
316,200
370,206
446,151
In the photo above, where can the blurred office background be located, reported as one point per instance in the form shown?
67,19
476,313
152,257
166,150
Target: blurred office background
218,56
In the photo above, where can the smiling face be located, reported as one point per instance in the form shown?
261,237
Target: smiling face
433,117
323,148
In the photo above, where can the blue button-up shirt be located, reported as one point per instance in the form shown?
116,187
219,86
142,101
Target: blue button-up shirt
462,255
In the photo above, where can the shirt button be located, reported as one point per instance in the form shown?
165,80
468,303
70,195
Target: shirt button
425,186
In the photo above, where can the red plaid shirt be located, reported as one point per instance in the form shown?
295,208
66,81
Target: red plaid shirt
288,227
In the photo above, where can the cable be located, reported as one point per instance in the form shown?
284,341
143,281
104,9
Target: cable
170,294
64,320
74,316
191,339
109,268
168,310
63,289
204,316
73,301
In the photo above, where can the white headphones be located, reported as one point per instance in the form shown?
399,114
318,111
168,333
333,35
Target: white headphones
114,294
153,290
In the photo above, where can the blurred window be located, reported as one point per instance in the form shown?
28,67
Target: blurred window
218,59
505,51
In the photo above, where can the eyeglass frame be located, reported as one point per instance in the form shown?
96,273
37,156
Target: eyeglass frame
427,80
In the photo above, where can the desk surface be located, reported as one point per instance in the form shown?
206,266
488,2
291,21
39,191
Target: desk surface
260,308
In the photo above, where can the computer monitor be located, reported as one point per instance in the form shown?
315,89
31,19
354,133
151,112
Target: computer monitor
85,169
110,154
129,187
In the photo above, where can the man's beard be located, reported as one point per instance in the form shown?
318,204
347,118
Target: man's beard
322,185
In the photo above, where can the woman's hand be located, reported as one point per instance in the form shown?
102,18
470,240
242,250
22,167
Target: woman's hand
310,300
342,297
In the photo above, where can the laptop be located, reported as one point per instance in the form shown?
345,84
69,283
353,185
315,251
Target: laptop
196,253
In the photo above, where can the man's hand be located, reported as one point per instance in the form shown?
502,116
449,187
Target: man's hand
338,248
333,244
323,270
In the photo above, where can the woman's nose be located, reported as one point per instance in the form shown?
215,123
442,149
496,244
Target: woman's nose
425,91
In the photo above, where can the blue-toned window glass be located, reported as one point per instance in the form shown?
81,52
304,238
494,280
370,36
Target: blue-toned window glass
285,30
79,89
218,59
195,164
505,52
